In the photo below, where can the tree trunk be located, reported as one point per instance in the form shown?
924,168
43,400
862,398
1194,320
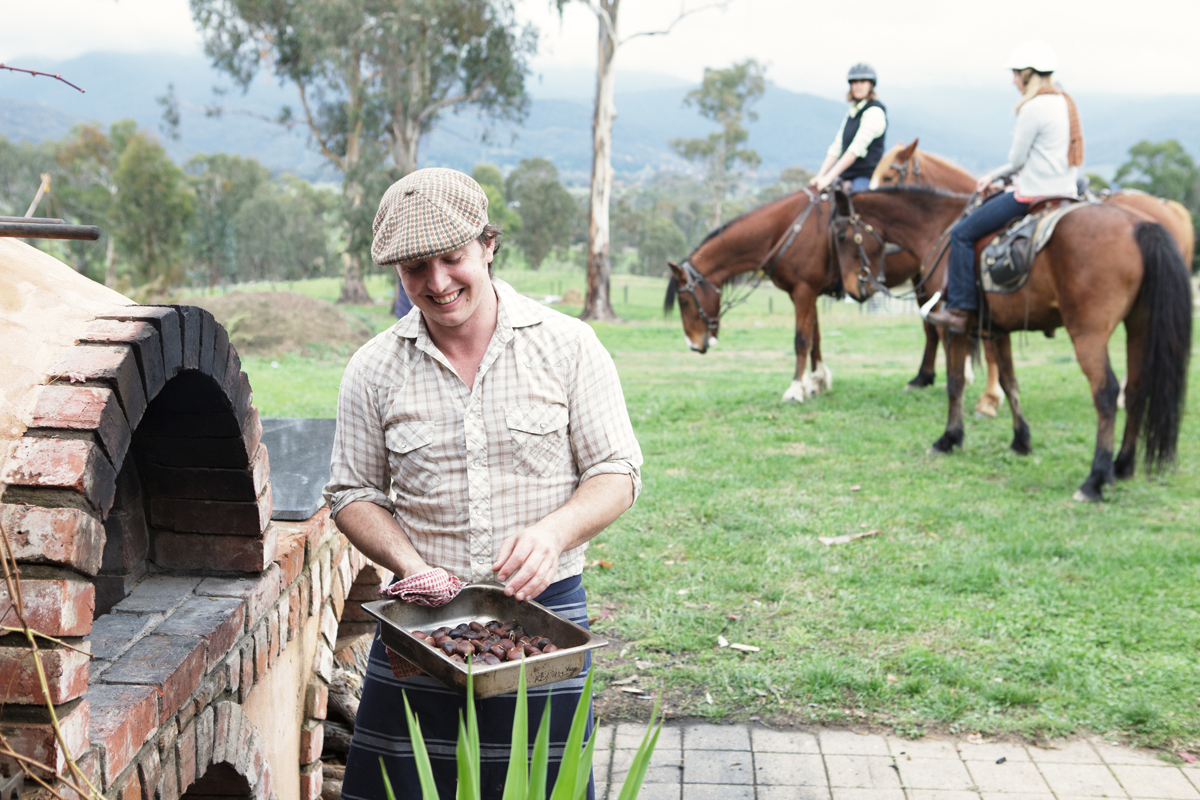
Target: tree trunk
354,288
110,270
597,304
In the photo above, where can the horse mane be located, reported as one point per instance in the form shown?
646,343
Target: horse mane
916,189
717,231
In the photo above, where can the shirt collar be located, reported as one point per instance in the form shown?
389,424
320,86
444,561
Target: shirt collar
513,311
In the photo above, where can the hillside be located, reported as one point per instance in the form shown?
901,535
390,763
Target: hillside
972,126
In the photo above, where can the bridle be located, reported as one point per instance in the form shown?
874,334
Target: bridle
765,269
865,279
914,165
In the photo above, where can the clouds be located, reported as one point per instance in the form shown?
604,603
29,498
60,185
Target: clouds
1103,45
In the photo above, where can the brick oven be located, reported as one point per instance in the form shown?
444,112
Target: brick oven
187,636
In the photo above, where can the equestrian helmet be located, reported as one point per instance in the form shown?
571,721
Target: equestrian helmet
1033,54
862,72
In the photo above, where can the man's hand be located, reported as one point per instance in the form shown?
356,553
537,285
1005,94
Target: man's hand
531,558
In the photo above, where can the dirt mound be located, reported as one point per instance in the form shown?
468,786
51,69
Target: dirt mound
274,323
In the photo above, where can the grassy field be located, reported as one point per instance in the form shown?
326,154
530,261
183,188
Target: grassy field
989,601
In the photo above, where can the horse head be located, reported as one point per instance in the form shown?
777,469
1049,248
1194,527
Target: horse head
699,304
898,166
858,250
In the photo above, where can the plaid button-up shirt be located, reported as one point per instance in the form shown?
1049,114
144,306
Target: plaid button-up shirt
462,469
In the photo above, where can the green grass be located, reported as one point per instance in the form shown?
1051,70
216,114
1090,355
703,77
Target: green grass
989,601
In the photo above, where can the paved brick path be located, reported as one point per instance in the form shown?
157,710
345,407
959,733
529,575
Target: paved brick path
739,762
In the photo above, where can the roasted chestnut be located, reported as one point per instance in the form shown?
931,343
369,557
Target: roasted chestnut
449,647
515,654
489,659
530,650
464,649
550,648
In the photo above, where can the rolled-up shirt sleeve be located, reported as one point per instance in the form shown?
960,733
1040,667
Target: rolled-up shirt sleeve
602,439
358,469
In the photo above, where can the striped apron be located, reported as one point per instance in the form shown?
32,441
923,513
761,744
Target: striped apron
381,728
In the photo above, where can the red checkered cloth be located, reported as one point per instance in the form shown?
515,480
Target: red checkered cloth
433,588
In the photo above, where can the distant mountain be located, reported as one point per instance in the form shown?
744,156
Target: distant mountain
971,126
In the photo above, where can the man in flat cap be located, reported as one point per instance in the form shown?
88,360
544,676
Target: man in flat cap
482,437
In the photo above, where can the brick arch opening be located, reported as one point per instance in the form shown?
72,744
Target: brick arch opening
222,782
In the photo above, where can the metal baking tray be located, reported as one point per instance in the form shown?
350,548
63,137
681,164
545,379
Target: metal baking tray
482,603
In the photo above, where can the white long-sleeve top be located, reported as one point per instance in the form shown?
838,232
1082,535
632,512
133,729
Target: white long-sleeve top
1039,149
874,123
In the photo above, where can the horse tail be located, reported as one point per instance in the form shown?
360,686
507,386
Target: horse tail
1166,297
672,290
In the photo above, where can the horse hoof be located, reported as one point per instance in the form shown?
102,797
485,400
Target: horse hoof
1081,496
981,413
796,393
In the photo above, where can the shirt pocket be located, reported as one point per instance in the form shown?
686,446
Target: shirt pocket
414,471
539,438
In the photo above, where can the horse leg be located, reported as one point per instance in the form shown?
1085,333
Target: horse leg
805,302
821,374
1091,348
993,394
1006,379
927,373
1135,401
957,350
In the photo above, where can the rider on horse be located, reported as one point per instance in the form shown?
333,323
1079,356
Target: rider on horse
1047,151
858,146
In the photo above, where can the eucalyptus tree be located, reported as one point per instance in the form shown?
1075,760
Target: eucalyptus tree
725,97
373,76
597,304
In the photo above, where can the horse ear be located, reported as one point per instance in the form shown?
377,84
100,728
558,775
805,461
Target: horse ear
843,202
907,153
676,271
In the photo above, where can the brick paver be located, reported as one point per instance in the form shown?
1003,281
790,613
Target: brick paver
789,769
1084,780
1158,782
1009,776
738,762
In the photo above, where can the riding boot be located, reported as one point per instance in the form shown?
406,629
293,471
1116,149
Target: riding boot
954,319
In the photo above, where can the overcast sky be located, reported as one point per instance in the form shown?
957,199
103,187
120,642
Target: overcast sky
1147,46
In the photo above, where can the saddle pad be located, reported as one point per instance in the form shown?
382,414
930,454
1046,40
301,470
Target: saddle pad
1045,222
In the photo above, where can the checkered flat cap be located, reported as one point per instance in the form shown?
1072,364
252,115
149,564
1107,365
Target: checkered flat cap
426,213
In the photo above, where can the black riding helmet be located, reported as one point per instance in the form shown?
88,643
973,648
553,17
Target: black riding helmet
862,72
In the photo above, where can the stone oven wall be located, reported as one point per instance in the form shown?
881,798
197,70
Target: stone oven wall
193,637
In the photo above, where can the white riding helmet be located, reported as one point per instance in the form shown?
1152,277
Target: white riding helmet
1034,54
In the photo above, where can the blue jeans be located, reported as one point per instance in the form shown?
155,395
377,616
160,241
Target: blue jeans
991,216
860,184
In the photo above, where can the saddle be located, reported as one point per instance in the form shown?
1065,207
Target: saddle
1006,257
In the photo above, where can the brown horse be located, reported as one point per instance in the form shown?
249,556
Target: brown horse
906,165
1104,265
788,239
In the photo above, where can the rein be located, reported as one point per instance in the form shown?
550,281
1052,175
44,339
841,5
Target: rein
865,278
764,269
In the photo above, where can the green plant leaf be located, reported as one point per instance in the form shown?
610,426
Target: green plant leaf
472,719
568,770
420,756
541,757
516,783
387,784
641,759
583,776
468,779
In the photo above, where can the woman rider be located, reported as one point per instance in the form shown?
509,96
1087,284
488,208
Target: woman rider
1047,151
858,146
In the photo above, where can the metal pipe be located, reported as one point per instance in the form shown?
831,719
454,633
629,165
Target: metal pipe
25,230
33,220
